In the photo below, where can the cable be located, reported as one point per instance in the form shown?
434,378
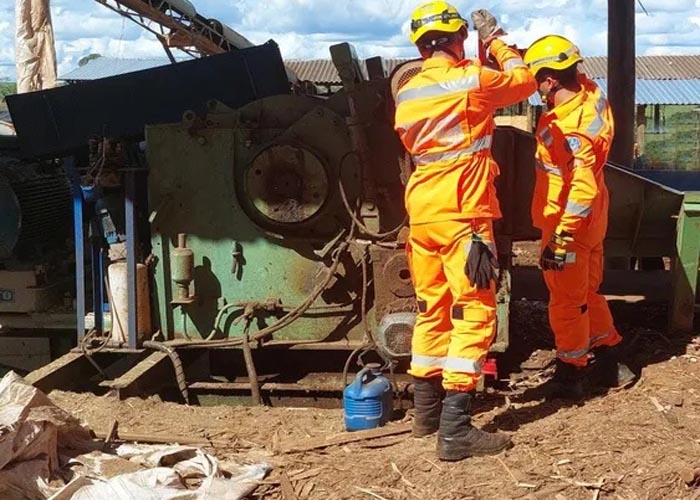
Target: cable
288,318
88,351
351,212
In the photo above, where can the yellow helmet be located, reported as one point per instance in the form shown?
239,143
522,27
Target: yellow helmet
553,52
435,16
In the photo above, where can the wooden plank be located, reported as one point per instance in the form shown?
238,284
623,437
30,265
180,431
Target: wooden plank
287,488
157,438
147,377
348,437
64,373
25,353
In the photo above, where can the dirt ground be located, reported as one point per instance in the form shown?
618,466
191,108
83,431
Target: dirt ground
639,443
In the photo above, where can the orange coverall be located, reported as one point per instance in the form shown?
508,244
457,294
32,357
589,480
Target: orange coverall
444,119
573,141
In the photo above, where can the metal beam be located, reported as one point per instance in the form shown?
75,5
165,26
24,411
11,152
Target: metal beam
621,78
65,373
147,377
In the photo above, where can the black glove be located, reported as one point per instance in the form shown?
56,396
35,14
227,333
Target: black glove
553,256
482,264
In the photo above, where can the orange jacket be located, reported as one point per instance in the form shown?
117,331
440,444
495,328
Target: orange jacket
444,117
573,141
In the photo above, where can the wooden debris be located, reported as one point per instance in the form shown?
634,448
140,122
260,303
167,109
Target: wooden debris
300,476
287,488
690,475
111,434
370,493
347,437
517,482
408,483
153,438
306,490
383,443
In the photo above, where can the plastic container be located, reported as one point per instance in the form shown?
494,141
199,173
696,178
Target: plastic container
368,400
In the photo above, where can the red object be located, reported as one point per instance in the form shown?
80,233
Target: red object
490,368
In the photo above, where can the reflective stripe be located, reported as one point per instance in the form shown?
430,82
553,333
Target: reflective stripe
556,58
446,131
453,155
600,337
437,89
546,136
550,169
513,63
447,363
462,365
575,208
427,361
572,354
597,124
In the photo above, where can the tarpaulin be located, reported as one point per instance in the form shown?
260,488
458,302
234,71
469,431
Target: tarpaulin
35,54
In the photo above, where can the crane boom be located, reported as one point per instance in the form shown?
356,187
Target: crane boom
177,24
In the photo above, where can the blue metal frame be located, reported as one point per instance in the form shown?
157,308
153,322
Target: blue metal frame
129,195
79,237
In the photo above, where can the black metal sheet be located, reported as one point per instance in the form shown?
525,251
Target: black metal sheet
58,121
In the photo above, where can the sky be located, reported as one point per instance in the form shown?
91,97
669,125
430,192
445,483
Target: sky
304,29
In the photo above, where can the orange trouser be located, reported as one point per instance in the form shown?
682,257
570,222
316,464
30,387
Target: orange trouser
456,321
579,316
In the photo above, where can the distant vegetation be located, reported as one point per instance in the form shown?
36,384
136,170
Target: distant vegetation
6,89
676,145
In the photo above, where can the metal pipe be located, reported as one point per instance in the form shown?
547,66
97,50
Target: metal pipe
250,365
79,247
129,194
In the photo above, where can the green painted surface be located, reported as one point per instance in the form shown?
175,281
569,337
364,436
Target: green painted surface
194,189
685,266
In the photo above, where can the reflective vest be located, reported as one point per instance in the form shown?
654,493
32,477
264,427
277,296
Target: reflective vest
444,117
573,141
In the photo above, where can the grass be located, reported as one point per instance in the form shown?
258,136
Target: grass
676,147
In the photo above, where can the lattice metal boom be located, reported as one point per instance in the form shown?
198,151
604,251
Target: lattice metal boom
177,25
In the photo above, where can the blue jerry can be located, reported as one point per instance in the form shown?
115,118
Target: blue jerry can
368,401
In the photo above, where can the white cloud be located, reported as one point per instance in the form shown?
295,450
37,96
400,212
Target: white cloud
307,28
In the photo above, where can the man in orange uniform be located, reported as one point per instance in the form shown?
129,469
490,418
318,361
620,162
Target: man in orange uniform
570,206
444,119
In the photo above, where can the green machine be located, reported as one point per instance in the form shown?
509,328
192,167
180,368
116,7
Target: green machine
277,239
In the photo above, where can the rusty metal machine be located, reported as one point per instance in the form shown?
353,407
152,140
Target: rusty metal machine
275,250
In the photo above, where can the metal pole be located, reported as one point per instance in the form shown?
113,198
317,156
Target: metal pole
621,78
79,239
129,195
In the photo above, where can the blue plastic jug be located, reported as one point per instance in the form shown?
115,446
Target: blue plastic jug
368,401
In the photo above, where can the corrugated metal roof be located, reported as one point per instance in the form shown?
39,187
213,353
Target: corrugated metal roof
676,92
650,67
680,92
322,71
103,67
660,79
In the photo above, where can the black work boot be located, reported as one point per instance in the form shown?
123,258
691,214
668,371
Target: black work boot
566,383
427,401
607,370
458,438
